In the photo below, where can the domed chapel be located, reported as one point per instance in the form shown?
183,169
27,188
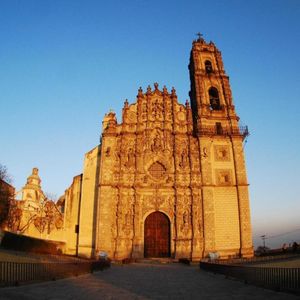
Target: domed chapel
170,179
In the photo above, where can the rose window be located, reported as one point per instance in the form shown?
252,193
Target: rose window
157,170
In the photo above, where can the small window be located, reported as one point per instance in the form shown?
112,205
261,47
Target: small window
219,129
214,99
208,66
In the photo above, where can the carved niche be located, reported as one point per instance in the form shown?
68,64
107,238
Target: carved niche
157,109
184,217
158,202
156,145
184,160
125,210
224,177
222,153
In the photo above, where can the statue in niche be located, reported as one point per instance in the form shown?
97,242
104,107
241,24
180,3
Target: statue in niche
169,114
107,152
185,220
183,159
144,110
130,158
127,218
157,110
185,223
156,144
144,107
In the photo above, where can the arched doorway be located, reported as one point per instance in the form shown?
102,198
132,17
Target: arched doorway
157,235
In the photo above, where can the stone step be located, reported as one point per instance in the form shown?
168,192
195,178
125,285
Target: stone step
155,260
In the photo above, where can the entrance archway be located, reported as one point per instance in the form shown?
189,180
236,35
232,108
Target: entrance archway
157,235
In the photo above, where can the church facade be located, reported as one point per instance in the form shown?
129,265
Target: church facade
170,179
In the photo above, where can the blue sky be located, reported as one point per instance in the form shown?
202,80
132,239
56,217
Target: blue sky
64,64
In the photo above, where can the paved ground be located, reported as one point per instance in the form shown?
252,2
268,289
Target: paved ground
143,281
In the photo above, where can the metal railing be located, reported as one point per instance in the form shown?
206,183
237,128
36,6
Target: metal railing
255,259
214,130
281,279
14,273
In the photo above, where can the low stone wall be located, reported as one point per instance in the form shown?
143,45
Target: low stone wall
13,273
277,278
18,242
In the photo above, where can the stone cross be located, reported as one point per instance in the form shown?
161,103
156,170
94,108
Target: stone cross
200,35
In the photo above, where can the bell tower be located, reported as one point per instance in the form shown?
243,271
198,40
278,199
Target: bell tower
210,93
227,226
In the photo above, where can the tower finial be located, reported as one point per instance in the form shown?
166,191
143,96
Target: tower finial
200,35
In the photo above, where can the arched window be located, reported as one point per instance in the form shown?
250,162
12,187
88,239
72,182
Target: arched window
219,128
214,99
208,66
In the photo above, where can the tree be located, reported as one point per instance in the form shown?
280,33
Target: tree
6,194
4,174
51,196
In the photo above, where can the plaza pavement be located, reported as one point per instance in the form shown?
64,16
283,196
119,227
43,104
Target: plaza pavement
143,281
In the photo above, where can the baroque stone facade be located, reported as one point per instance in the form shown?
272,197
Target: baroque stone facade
183,161
169,180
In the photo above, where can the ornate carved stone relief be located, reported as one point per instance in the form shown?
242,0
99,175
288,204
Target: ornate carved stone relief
124,214
181,115
157,110
222,153
130,163
183,212
224,177
184,160
157,143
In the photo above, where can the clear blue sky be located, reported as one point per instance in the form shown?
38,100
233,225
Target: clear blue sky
64,64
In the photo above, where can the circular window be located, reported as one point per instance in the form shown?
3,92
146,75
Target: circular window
157,170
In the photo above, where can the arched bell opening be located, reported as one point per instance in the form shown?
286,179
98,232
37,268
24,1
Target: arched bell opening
214,99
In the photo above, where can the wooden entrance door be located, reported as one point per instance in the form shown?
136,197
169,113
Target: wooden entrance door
157,235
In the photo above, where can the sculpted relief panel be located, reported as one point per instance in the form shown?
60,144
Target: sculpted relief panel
151,157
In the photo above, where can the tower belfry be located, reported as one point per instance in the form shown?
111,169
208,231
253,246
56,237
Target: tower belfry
210,94
216,126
